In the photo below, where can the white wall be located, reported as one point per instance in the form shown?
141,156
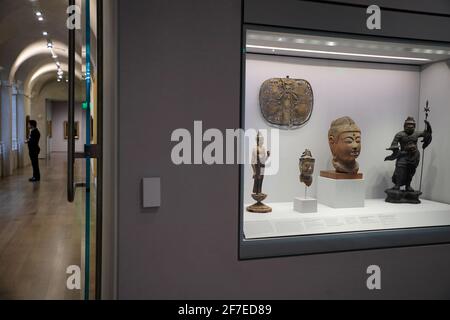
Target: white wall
5,126
27,102
59,115
435,87
378,97
38,110
52,91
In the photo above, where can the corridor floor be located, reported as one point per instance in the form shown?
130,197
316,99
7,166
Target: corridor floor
40,234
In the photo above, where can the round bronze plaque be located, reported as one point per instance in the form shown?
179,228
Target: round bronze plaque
286,103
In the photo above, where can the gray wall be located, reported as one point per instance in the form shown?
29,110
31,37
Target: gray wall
110,152
180,62
431,6
332,16
53,91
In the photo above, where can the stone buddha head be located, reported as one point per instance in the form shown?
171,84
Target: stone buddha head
306,165
344,138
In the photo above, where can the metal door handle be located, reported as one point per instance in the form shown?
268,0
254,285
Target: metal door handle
91,151
71,186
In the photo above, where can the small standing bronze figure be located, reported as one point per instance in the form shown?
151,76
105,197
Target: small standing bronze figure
407,156
259,159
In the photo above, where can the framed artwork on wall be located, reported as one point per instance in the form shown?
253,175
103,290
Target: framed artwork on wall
49,128
92,128
66,130
76,128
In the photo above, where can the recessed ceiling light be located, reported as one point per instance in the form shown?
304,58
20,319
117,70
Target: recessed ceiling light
49,45
331,43
59,80
45,33
41,19
38,13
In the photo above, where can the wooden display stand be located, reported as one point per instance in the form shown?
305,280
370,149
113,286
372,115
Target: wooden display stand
340,176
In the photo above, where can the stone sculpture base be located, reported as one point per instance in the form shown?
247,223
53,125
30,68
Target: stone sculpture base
402,196
259,207
305,205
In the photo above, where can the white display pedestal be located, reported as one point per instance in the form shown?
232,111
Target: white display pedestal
305,205
341,193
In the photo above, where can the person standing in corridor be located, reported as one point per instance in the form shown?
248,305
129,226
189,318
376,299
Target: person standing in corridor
34,150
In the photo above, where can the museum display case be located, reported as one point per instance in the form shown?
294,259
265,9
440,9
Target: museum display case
347,142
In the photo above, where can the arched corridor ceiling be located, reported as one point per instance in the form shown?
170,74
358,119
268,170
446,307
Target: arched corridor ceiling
23,48
34,52
41,75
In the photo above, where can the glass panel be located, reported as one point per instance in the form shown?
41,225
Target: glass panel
87,107
14,122
327,107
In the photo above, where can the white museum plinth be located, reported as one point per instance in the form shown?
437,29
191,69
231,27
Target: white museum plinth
341,193
305,205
